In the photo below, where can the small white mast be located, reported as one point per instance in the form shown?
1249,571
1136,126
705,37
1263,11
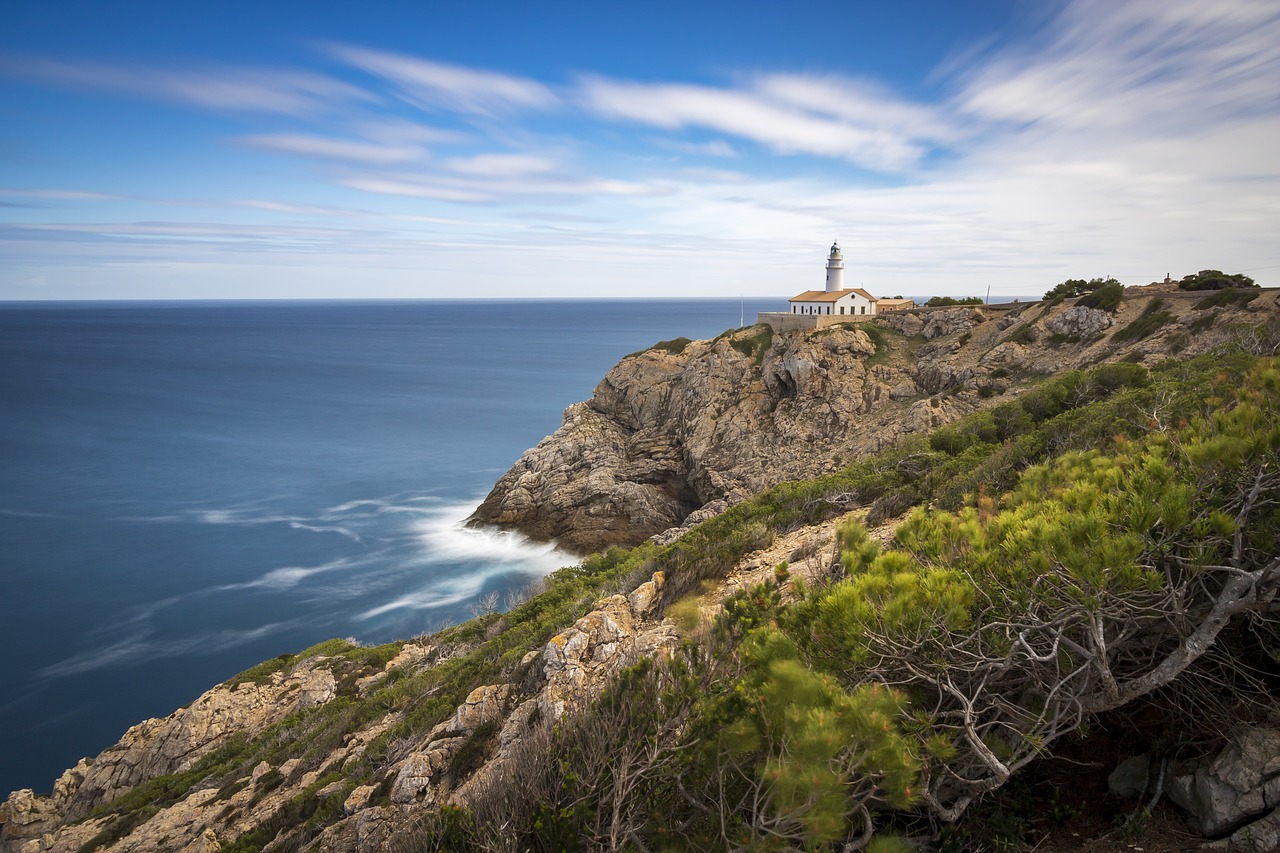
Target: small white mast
835,269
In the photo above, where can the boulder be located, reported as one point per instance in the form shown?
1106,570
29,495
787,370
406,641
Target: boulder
951,321
1079,322
1130,778
935,376
1237,786
483,705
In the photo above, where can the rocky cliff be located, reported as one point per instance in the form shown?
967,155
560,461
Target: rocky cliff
682,430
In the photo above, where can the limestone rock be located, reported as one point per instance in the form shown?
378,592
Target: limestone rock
909,323
483,705
358,799
1079,322
904,391
643,598
951,321
1238,785
1008,354
666,435
413,780
579,661
935,376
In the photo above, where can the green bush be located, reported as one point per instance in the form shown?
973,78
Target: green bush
1077,287
1106,296
1214,280
947,301
675,346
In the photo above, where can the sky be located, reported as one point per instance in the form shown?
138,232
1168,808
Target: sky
431,149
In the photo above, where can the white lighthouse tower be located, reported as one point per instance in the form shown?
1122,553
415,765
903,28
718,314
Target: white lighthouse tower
835,270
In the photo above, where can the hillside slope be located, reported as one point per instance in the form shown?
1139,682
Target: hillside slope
682,430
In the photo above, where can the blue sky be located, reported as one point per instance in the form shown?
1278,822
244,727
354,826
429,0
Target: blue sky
432,149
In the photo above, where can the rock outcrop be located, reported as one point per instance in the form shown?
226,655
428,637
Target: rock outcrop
1234,789
668,436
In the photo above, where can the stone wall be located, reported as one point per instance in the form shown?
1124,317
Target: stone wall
782,321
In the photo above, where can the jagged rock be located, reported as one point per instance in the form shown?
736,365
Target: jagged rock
644,597
483,705
693,519
366,830
904,391
316,687
935,376
1240,784
951,321
579,661
1261,834
909,323
1008,354
1010,319
925,415
1079,322
413,780
358,799
666,435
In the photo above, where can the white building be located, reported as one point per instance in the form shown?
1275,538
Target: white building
836,299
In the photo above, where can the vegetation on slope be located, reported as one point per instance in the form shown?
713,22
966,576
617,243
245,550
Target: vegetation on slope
924,676
748,733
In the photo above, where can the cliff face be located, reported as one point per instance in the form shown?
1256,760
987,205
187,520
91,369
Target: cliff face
672,435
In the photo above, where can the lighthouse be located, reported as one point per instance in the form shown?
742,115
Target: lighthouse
835,270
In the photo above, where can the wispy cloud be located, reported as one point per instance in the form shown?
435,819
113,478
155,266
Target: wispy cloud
232,89
787,115
501,165
1154,64
333,148
429,84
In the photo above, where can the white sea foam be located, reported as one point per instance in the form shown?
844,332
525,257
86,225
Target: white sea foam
315,528
448,539
290,576
479,554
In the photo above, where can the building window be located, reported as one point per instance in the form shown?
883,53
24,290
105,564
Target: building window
862,310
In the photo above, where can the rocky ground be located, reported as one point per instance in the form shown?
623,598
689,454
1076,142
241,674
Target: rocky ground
672,435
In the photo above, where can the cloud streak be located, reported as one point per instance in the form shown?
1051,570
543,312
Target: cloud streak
439,85
252,90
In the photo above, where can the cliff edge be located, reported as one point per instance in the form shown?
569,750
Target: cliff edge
684,429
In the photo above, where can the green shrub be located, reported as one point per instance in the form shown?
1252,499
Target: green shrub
1106,296
947,301
1214,280
675,346
1076,287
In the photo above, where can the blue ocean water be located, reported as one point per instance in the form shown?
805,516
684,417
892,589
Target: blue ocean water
187,489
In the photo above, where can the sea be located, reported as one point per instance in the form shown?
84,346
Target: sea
189,488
